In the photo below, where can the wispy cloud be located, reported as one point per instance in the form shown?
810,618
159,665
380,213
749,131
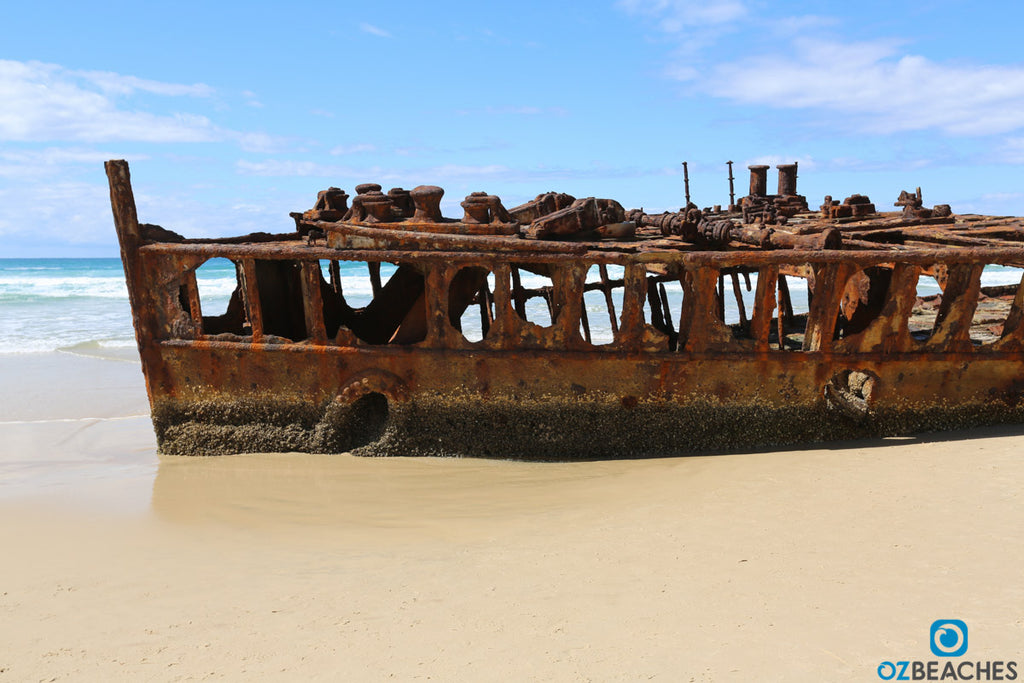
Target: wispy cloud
1012,151
291,168
805,162
118,84
48,103
792,26
454,173
359,148
514,110
51,161
884,90
878,86
251,99
45,102
374,30
260,142
74,212
674,16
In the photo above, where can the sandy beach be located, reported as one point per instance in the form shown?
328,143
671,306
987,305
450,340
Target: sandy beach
811,564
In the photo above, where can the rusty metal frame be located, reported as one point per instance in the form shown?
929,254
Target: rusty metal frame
668,382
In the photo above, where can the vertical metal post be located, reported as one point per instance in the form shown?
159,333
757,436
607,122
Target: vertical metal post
609,302
740,306
312,302
484,297
686,182
253,308
518,299
584,322
375,283
667,314
194,303
335,271
732,189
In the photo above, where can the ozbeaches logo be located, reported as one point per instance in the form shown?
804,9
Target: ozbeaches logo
947,638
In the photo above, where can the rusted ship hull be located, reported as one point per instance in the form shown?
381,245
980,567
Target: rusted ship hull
324,379
631,408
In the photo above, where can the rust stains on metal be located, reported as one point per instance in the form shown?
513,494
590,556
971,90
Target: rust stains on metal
567,328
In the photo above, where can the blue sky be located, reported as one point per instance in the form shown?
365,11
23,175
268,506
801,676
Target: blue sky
233,114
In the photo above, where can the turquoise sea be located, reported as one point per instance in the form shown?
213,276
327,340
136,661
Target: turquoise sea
73,304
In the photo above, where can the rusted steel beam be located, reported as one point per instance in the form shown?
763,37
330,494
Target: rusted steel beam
335,272
728,259
705,330
375,284
484,301
313,305
194,304
609,302
720,295
764,306
732,189
585,323
667,315
959,300
686,182
517,293
824,306
1013,328
253,308
654,301
740,306
633,325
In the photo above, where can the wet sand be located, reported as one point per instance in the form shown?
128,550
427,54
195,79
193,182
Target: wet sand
814,564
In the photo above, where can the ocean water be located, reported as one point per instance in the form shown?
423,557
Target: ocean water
82,304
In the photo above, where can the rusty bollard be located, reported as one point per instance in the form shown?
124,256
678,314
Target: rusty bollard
758,180
427,199
378,206
478,208
787,179
402,200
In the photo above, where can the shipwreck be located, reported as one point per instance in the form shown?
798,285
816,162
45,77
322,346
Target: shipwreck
572,328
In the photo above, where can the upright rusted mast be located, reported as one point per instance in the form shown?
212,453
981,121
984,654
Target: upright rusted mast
732,189
686,182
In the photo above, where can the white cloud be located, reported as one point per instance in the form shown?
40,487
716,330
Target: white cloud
993,204
73,212
74,217
877,86
880,89
359,148
34,163
310,168
118,84
1003,196
674,16
514,110
804,162
443,173
251,100
416,150
260,142
286,168
45,102
1012,151
374,31
792,26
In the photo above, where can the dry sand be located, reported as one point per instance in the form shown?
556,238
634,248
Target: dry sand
814,564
